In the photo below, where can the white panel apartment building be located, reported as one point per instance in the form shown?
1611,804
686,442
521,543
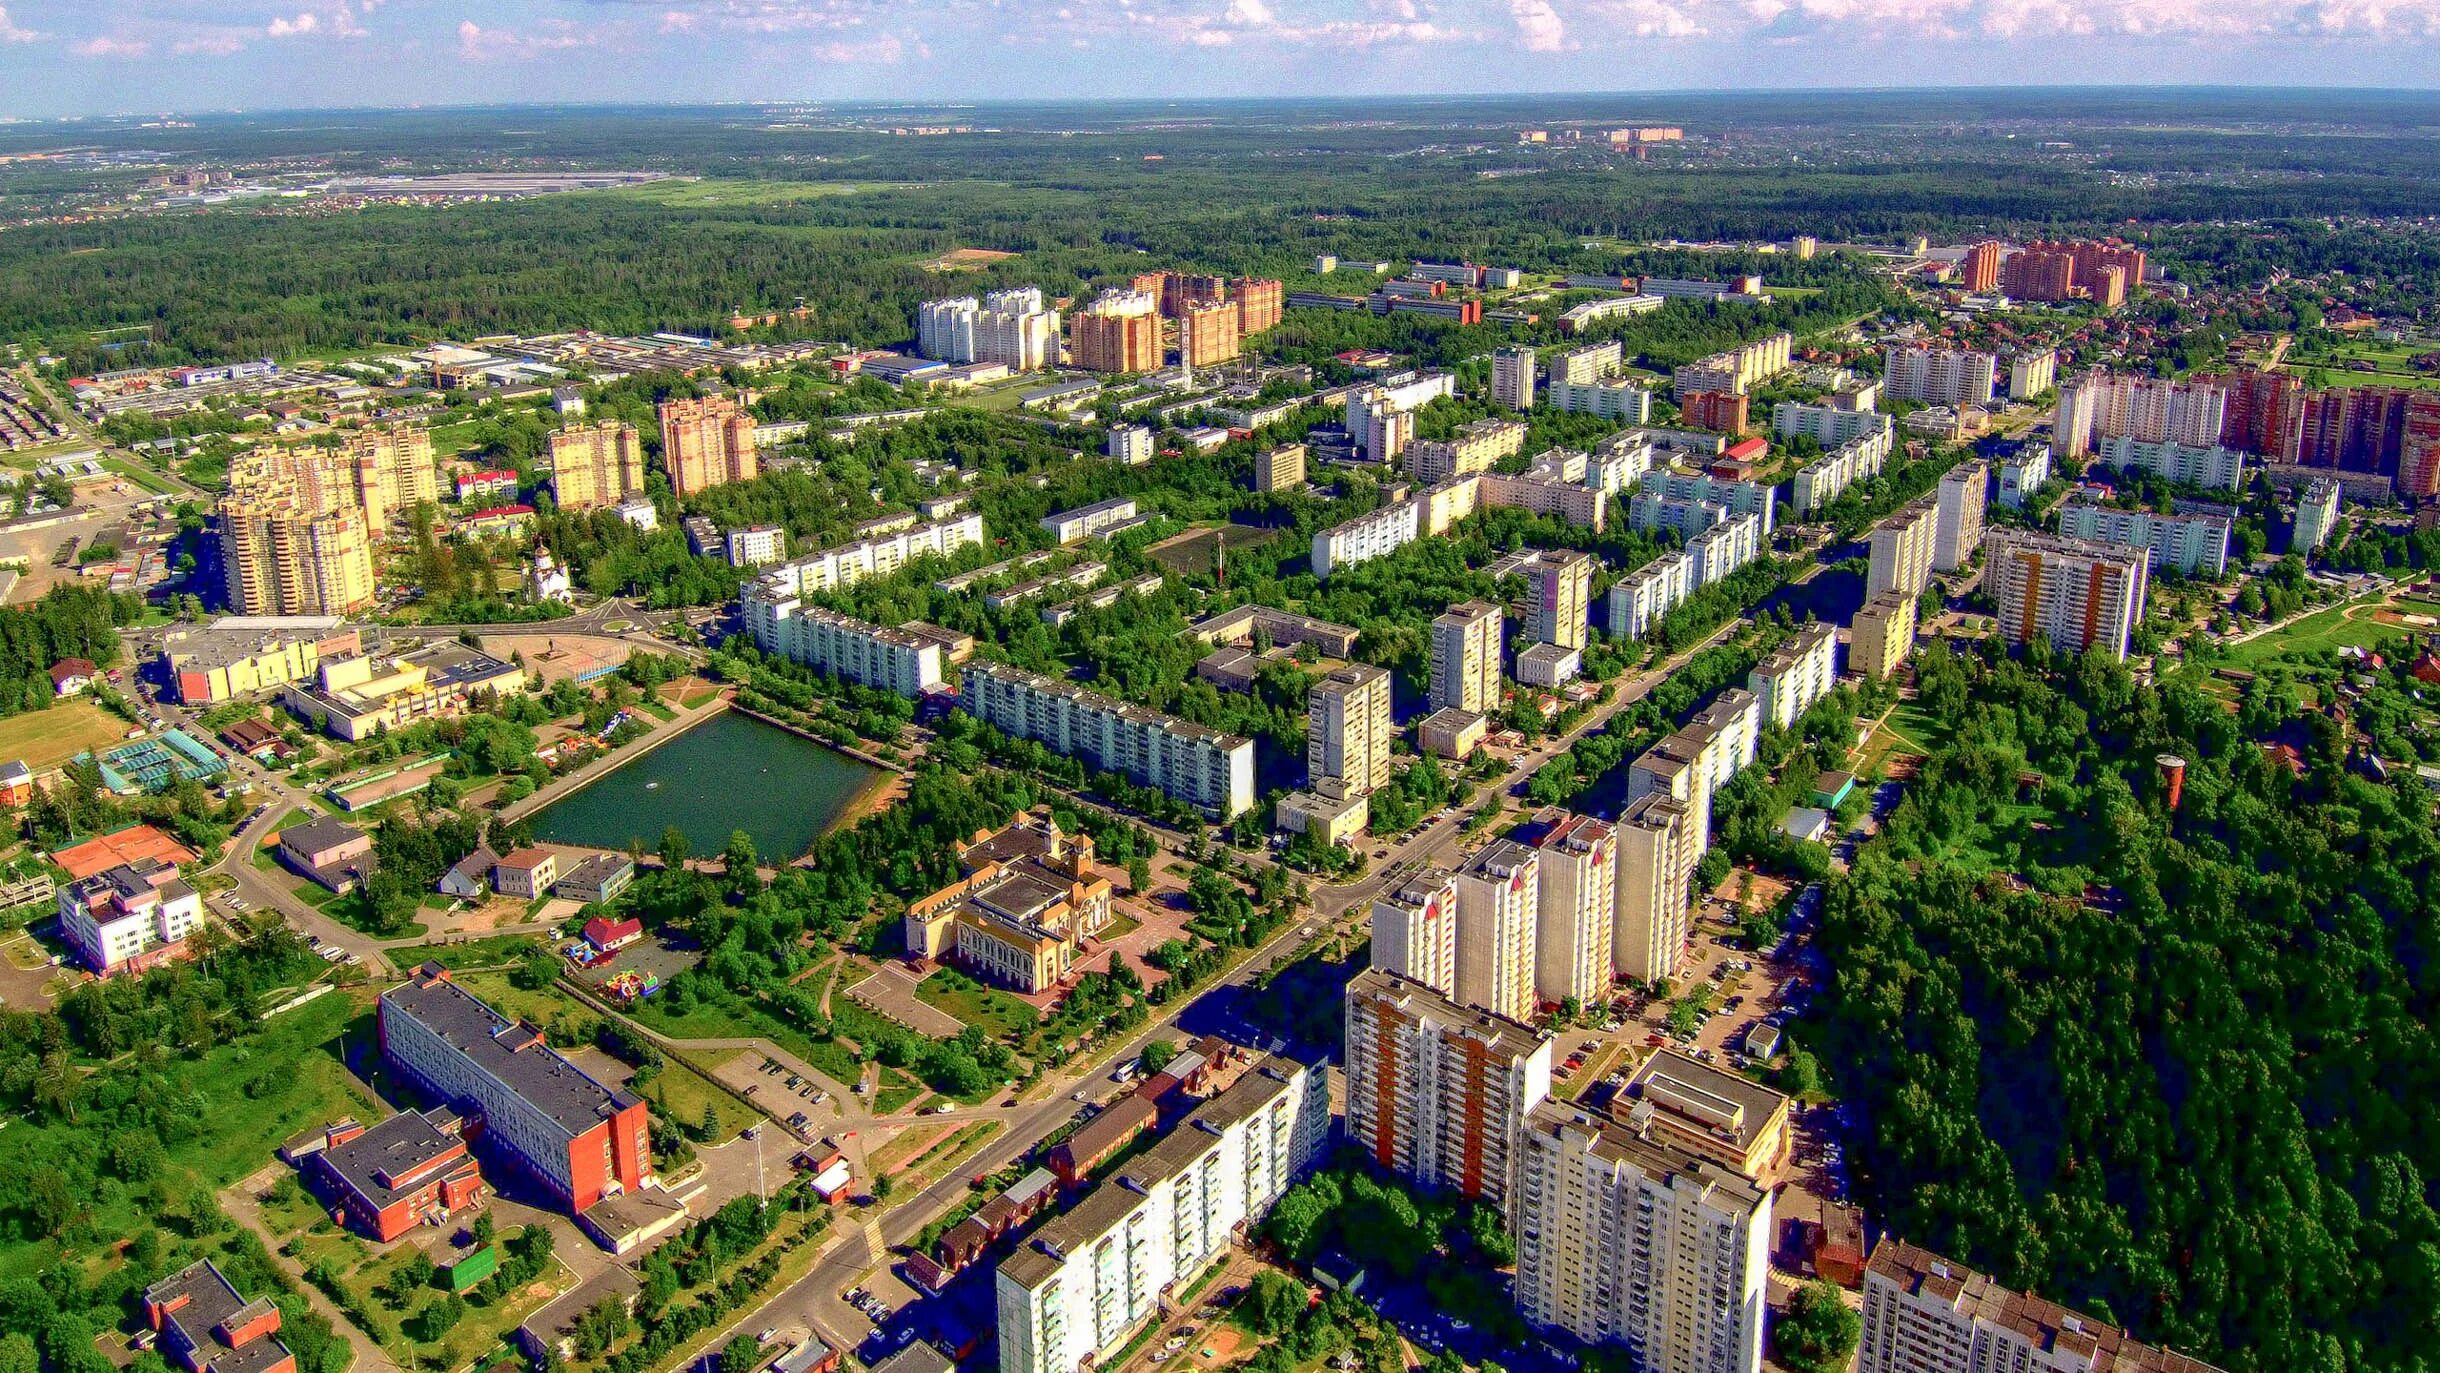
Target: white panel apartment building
1008,326
1827,425
1827,477
1938,376
1902,549
1963,495
1642,598
944,329
1589,363
1736,370
1438,1092
850,649
1624,1241
2190,543
1374,535
1414,930
1499,895
2193,465
1796,675
878,556
1724,548
1656,858
2104,405
1466,657
1085,521
1211,771
1093,1276
1741,498
1628,402
1576,908
1925,1314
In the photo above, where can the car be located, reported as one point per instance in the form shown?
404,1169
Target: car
753,1132
769,1334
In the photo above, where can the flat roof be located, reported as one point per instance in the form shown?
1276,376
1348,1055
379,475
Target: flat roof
1717,1102
516,1057
400,1147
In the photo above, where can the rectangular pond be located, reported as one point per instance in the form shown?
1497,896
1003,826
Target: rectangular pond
732,772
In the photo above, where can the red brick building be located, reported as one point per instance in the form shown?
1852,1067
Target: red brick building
412,1169
1719,410
207,1327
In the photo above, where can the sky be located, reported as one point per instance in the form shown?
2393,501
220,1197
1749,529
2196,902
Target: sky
163,56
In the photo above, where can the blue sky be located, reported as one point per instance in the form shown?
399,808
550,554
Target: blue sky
141,56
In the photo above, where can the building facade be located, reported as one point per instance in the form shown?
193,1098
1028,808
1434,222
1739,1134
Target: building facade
1576,906
596,464
2072,594
1512,376
293,538
1938,376
1437,1093
2194,544
707,442
1902,548
1882,635
1499,898
1466,658
1963,496
1558,596
130,919
1204,768
1925,1314
1347,731
1414,930
1796,675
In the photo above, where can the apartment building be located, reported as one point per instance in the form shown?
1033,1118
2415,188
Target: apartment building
876,556
2316,515
1369,536
849,649
1014,331
1258,301
1558,598
129,919
2351,428
1576,910
1627,402
1882,634
1281,468
1623,1240
1643,598
1498,902
1978,271
1090,521
755,545
1347,731
1827,425
1512,376
1207,334
1119,332
1091,1277
293,538
1027,897
578,1138
1938,376
1735,370
392,469
1202,767
2220,468
1475,447
2193,544
2072,594
596,464
2022,473
1926,1314
1826,478
1712,1113
1691,764
1903,546
2104,405
1437,1093
1414,930
1963,495
1656,862
1584,506
1759,499
1725,547
1589,363
1796,675
944,329
2032,372
707,442
1466,658
1726,412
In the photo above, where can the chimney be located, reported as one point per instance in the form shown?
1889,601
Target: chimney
2172,777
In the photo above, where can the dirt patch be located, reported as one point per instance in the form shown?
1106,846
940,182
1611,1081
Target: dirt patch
967,259
1197,550
1217,1346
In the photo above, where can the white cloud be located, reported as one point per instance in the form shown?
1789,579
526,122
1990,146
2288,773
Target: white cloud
289,28
479,44
11,33
111,46
1539,27
1249,12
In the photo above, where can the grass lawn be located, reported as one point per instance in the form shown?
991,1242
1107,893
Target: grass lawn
48,738
897,1089
658,709
478,953
366,1270
2319,632
1003,1017
238,1103
508,999
680,1093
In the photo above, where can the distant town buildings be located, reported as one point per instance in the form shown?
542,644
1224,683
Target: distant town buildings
1735,370
2105,273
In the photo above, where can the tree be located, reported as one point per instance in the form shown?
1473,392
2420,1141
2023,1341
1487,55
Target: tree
1274,1302
739,1354
1157,1055
1818,1332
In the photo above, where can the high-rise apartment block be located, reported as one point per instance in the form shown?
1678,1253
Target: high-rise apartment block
2073,594
1796,676
2032,372
1724,411
707,442
1938,376
2316,515
2419,450
1902,548
2195,544
1576,910
1211,771
1474,447
1499,896
1978,272
1624,1240
1084,1283
1119,332
1347,731
1590,363
392,470
1925,1314
596,464
1414,930
1656,857
1512,376
2105,273
1965,492
1438,1092
1882,634
294,539
1207,334
2103,405
1466,658
1258,302
1558,597
1736,370
944,329
1281,468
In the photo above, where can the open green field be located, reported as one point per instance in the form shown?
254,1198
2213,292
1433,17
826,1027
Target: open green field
1005,1018
47,738
472,953
679,1092
389,1307
695,194
2342,626
240,1103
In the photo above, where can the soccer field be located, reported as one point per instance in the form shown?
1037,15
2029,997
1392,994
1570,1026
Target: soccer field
47,738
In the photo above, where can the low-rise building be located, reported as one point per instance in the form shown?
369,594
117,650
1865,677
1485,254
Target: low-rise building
353,697
1452,733
1029,897
130,918
236,655
384,1180
1089,521
1926,1314
207,1326
335,855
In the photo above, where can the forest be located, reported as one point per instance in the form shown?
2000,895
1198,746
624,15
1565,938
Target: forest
2174,1067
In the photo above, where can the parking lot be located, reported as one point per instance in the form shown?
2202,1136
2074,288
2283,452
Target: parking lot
802,1102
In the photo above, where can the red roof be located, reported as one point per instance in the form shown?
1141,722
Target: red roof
1748,448
601,932
501,510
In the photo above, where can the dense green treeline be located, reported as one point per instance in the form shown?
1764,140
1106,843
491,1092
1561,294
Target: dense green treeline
2174,1068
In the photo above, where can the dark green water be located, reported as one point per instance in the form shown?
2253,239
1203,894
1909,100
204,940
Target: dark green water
726,774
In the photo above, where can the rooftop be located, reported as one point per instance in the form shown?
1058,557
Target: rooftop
2044,1324
514,1055
394,1157
1705,1098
